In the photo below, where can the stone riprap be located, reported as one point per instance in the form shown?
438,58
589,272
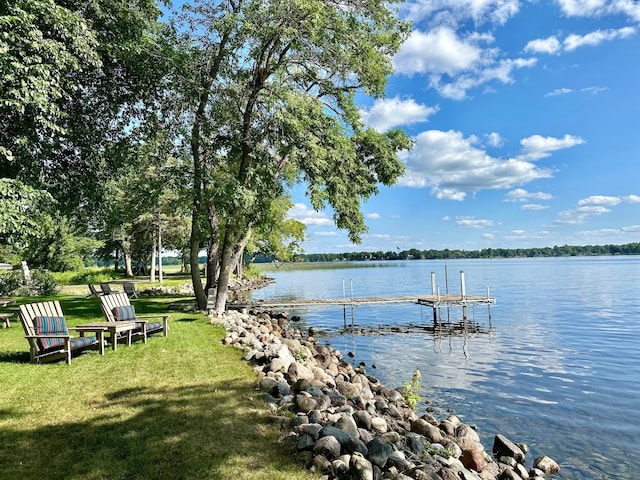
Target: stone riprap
347,425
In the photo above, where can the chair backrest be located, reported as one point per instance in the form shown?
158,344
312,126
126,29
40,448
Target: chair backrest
29,311
109,302
129,289
106,288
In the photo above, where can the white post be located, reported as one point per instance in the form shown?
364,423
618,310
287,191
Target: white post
433,283
462,285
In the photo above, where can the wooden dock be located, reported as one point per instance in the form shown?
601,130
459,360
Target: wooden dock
436,301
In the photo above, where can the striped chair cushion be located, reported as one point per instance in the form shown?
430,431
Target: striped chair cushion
124,313
154,326
81,342
50,326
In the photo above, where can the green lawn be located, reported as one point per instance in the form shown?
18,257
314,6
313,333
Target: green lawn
179,407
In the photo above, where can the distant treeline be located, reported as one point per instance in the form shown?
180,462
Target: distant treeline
415,254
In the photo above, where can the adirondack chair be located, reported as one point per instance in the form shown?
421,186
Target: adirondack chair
117,307
46,330
130,289
106,289
94,291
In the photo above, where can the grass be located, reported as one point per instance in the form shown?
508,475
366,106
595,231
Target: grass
180,407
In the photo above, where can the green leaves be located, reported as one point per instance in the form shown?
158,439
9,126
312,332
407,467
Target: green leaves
23,213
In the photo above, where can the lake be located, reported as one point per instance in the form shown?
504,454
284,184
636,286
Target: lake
555,363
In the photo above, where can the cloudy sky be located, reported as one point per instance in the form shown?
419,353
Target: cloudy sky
526,121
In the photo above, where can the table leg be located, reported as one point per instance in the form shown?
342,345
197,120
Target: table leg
114,339
100,335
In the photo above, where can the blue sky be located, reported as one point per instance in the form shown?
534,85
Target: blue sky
526,118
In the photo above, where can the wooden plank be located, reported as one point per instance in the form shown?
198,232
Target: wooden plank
430,300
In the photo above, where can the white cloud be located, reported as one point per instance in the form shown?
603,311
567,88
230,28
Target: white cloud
455,11
543,45
553,45
499,71
308,216
452,165
472,222
598,8
326,234
488,236
533,206
494,139
592,39
594,90
522,195
372,216
392,112
599,200
559,91
537,146
438,51
591,206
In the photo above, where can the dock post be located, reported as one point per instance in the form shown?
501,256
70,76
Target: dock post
489,306
344,305
352,312
463,289
433,283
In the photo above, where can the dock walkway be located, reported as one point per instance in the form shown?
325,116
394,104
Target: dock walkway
436,301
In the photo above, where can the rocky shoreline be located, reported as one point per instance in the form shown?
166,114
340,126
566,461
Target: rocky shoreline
345,424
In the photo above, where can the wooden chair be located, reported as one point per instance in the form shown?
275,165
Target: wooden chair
106,289
94,291
130,289
118,307
46,330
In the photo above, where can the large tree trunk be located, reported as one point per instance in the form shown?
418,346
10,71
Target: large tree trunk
213,250
198,290
128,264
226,267
152,277
239,252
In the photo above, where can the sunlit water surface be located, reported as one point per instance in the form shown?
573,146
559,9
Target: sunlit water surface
556,365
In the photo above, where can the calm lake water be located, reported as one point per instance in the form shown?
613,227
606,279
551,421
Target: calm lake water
556,366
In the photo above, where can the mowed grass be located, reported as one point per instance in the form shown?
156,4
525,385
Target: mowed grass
180,407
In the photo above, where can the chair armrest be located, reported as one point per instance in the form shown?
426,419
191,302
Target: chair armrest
163,316
50,335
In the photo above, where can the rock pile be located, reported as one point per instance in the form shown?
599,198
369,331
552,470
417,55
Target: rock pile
347,425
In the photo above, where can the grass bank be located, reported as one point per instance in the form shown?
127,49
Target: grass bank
179,407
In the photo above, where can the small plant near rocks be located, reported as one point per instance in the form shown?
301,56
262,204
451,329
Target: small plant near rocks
412,390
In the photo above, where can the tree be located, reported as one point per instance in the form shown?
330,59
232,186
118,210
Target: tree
77,80
280,237
272,91
24,213
41,44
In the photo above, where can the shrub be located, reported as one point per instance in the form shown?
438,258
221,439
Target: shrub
13,284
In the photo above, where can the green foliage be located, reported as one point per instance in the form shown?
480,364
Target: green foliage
412,390
415,254
41,42
23,216
85,276
13,283
60,248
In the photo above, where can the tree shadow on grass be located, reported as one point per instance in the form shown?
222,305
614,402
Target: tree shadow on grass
174,433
